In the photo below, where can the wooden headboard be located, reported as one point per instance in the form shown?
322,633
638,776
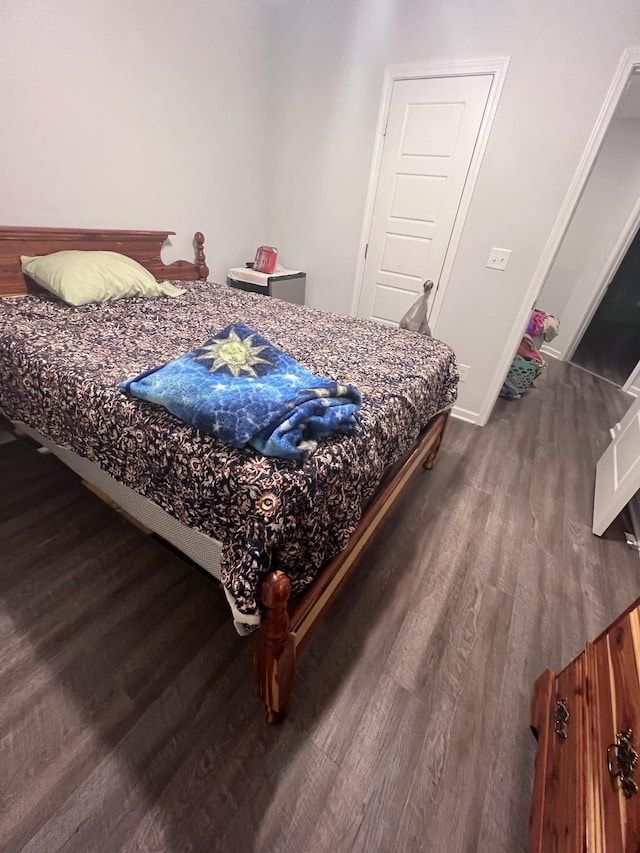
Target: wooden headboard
142,246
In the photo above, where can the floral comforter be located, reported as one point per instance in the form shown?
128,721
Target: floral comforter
60,371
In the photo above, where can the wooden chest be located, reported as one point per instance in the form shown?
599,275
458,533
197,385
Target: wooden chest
587,722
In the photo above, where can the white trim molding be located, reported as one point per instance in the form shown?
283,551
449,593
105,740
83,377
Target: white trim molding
463,68
552,352
632,385
467,415
630,59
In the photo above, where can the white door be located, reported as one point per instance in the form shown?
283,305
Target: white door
632,385
432,129
618,471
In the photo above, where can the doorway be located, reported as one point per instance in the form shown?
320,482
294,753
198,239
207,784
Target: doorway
628,68
433,127
431,131
593,285
610,346
591,282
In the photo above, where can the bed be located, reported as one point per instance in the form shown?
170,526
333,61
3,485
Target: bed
280,535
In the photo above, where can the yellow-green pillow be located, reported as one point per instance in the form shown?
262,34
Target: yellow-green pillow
79,277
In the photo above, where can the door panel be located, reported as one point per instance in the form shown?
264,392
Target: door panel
390,299
431,133
618,471
431,129
405,255
417,198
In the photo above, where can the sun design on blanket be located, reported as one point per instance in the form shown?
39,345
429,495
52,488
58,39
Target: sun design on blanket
236,355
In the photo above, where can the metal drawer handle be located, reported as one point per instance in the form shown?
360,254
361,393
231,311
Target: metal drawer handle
560,719
624,762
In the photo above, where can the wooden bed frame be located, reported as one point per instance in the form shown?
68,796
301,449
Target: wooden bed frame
286,625
143,246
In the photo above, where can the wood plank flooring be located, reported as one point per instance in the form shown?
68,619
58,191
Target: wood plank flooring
128,720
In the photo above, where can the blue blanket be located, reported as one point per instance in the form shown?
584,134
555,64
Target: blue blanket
243,390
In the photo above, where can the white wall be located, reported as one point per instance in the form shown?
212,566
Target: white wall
134,114
328,62
255,122
609,197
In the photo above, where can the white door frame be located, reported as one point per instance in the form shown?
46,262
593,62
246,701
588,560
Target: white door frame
463,68
603,279
630,59
632,385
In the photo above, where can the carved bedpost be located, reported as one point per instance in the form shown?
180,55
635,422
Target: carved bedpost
274,656
443,417
201,261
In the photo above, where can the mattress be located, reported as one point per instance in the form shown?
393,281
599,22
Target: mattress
60,371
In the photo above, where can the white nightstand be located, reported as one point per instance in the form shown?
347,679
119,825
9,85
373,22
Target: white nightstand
283,284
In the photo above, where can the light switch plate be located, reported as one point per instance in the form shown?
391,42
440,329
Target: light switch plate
498,259
463,372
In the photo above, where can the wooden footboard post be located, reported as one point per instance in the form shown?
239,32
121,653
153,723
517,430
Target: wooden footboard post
201,263
443,419
274,656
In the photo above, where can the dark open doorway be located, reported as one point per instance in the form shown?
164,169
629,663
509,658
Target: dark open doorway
610,347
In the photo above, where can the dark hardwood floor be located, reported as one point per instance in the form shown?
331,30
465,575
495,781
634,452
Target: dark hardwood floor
128,720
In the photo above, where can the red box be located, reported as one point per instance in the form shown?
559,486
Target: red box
266,257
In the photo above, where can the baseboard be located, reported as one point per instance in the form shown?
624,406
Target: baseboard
550,351
467,415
